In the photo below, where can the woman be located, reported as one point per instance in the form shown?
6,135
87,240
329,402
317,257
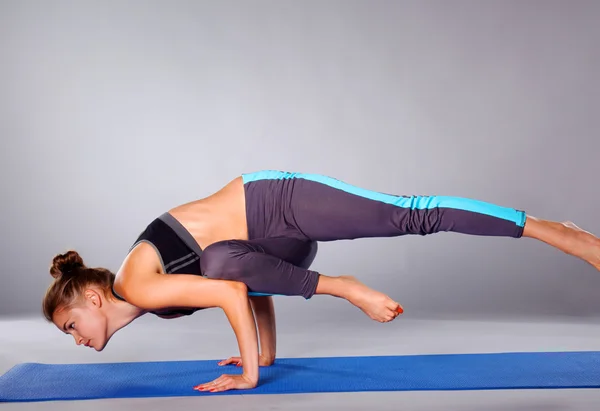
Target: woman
257,237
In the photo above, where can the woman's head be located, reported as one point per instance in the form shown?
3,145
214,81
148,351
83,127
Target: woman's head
76,301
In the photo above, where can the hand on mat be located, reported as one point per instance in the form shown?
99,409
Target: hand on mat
262,361
227,382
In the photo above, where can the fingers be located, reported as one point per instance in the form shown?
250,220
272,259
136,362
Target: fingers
223,383
204,387
232,360
209,386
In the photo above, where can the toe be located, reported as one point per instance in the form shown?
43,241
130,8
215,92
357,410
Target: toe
396,307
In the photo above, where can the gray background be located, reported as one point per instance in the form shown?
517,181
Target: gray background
112,112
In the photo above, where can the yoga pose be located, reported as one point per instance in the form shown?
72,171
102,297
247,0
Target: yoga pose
257,237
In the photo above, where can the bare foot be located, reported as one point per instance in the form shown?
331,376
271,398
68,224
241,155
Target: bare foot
376,305
585,244
567,237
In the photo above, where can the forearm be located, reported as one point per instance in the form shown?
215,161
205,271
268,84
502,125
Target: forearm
156,291
265,320
238,310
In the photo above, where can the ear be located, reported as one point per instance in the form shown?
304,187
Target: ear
92,296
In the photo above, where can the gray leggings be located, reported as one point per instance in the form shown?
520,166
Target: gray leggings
288,213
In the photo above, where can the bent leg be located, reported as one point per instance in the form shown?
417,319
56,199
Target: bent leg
266,266
257,264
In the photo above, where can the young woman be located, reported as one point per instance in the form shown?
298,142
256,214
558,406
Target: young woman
257,237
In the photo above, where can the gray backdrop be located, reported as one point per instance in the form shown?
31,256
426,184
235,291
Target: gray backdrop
112,112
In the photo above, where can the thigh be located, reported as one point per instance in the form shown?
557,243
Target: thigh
266,266
321,208
299,252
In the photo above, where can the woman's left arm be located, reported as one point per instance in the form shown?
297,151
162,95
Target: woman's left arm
264,314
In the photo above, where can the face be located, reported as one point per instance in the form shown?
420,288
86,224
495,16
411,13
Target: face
86,321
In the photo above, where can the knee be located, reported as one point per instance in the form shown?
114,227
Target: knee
223,259
305,254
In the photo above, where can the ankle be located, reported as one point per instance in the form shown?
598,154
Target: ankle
334,286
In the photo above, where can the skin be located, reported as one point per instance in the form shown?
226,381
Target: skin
96,316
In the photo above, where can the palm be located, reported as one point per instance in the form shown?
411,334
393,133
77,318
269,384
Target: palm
227,382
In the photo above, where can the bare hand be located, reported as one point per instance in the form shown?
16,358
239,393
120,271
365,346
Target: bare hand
262,361
227,382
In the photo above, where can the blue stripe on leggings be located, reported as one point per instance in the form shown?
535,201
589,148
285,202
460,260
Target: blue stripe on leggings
413,202
256,294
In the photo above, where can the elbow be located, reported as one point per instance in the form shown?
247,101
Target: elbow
239,288
235,292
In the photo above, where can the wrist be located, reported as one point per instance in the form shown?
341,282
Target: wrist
267,358
251,377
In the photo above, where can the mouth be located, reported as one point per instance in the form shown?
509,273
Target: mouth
87,344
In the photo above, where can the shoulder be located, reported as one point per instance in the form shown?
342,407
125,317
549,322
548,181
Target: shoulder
143,255
141,261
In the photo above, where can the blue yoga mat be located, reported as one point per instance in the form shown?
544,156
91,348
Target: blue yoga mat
44,382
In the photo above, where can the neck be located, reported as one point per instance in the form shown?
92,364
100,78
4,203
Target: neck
121,314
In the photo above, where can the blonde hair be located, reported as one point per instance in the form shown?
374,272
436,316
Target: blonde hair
71,279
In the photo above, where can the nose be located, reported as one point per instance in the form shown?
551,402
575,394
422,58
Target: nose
78,340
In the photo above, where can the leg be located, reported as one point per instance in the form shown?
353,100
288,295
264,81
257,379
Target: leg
280,266
374,304
321,208
566,237
267,266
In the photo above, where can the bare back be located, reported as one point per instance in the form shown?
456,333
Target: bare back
220,216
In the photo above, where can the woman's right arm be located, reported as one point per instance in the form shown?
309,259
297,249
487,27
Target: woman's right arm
152,291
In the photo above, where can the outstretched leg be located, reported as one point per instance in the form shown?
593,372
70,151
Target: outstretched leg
321,208
567,237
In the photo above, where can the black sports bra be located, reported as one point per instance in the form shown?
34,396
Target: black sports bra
178,251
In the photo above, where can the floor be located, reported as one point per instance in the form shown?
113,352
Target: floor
206,336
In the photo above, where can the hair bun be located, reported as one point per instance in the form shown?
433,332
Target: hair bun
66,264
